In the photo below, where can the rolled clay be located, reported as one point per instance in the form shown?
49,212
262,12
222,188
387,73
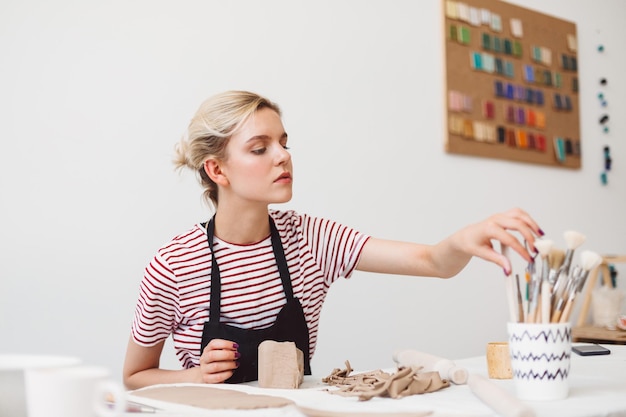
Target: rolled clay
446,368
499,399
281,365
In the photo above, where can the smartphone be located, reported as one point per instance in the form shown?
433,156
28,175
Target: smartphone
590,350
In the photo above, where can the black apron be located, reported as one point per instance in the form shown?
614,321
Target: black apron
290,325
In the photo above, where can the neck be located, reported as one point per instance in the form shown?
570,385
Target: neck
242,226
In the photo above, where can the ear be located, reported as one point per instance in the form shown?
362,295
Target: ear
213,169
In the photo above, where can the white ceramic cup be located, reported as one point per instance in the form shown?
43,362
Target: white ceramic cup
540,359
78,391
12,374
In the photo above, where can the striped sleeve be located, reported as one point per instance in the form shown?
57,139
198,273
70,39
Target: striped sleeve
336,248
157,306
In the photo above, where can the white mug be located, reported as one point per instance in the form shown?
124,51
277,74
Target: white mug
79,391
12,379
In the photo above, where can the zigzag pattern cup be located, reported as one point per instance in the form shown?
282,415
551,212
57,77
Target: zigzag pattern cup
540,359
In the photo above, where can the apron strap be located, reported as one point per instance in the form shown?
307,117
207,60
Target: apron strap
216,285
281,260
216,282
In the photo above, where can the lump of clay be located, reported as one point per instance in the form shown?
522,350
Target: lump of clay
281,365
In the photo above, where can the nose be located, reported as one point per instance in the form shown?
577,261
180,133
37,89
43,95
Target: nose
283,155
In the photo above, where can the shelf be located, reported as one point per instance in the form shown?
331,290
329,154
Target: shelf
597,334
591,284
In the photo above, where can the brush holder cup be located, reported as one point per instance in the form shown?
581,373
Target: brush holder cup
540,359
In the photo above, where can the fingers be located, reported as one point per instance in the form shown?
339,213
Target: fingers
526,225
217,376
519,221
219,360
488,253
498,228
222,344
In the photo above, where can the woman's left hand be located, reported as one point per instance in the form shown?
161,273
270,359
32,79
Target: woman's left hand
477,239
448,257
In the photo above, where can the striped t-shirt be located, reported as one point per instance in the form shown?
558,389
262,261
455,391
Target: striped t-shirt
176,287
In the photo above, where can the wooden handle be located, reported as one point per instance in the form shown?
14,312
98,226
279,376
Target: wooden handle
546,295
566,311
591,282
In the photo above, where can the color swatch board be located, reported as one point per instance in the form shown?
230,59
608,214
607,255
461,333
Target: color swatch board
511,84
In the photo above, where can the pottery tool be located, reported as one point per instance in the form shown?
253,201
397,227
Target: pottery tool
546,301
520,302
555,261
543,246
509,285
573,240
590,260
500,400
556,258
566,298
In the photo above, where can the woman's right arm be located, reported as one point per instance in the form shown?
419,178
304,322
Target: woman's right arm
141,367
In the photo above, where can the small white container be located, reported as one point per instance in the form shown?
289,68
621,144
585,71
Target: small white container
12,379
540,359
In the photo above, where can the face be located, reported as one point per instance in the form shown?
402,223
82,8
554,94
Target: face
258,166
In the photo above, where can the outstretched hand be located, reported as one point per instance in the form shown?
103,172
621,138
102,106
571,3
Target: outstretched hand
477,239
448,257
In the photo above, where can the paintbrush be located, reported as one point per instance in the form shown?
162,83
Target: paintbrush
509,286
520,301
555,260
573,240
589,260
543,246
567,298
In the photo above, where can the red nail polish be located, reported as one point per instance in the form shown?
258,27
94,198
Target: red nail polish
237,355
541,232
235,346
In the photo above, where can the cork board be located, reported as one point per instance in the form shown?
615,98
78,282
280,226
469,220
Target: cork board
511,84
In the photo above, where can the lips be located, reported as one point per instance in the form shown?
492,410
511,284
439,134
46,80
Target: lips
283,177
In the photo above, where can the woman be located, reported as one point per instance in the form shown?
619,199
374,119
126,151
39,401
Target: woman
251,273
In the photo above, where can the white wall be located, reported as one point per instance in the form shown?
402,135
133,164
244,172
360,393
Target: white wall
94,95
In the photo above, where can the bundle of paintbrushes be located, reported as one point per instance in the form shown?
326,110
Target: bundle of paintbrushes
548,290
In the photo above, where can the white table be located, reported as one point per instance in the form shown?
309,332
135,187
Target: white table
597,389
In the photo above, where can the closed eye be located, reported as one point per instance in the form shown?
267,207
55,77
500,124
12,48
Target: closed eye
259,151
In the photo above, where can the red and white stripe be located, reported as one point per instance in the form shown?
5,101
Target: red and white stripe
175,291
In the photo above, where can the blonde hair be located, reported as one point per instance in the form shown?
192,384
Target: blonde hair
217,120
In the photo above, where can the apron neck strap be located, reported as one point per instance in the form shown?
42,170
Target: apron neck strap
216,285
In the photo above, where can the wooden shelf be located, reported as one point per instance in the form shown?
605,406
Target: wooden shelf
584,332
596,334
591,284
